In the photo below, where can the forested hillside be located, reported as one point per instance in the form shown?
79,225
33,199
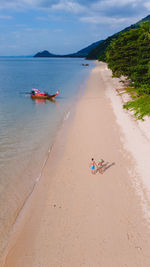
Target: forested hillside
129,55
99,51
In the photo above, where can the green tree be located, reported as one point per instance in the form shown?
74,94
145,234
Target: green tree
129,55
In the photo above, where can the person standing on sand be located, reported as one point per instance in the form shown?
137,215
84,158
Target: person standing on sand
100,166
92,166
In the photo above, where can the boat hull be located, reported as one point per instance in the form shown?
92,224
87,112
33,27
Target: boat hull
42,96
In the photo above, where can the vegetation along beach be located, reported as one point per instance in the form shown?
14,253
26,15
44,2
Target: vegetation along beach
75,134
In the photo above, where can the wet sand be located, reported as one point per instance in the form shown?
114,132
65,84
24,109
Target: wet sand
74,218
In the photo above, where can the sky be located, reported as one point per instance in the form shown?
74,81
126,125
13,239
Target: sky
63,26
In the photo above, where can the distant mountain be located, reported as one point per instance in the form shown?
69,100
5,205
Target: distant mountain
85,51
81,53
45,53
99,50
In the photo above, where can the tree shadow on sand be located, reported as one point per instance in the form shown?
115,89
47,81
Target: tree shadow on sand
105,167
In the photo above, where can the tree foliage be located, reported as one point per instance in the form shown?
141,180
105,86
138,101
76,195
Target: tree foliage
129,55
99,51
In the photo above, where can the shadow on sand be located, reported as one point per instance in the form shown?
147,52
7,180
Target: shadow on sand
105,166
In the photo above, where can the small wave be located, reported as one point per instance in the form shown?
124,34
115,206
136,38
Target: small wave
38,178
67,116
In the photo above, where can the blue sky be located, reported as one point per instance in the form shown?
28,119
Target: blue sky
63,26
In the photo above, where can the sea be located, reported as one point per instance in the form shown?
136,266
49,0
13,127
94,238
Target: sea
28,127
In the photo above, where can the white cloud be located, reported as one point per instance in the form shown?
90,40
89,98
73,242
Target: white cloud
94,12
72,6
19,4
103,20
147,5
114,3
114,12
29,29
58,30
11,5
42,18
69,6
5,17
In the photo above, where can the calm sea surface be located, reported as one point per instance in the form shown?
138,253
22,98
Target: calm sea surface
28,127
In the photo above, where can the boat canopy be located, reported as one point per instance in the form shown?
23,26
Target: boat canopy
35,90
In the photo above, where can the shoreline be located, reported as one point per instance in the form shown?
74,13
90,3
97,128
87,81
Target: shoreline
79,220
57,148
62,124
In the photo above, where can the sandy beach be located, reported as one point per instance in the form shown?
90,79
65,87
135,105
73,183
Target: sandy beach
74,218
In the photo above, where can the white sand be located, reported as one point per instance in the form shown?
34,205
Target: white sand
136,141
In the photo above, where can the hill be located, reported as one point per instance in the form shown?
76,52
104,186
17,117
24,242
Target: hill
128,56
45,53
81,53
98,51
85,51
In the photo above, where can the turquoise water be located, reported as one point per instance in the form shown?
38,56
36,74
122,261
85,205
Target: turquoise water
28,127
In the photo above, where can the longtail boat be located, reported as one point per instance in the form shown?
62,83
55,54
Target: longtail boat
37,94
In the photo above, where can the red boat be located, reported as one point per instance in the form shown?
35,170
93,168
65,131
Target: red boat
35,93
